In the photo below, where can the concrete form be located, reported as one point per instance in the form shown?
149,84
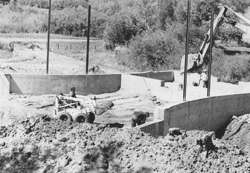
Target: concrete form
55,84
167,76
84,84
5,85
202,114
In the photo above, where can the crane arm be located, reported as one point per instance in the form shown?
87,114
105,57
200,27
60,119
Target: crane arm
206,43
196,60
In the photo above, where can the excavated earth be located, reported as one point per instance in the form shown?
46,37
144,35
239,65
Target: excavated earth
42,144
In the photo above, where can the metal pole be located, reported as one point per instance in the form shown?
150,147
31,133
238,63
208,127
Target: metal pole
210,53
186,53
87,56
48,39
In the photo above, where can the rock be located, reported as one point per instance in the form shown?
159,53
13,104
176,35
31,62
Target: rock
64,139
75,168
78,158
239,152
174,131
2,144
45,118
43,169
102,162
63,161
56,142
29,149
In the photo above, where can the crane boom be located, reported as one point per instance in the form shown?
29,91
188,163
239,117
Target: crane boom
196,60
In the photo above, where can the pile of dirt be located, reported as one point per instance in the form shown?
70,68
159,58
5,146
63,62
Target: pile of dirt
44,144
238,132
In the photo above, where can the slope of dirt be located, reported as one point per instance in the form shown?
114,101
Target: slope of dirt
238,132
48,145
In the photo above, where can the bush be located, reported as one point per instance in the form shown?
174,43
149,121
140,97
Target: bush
122,27
69,22
153,51
231,68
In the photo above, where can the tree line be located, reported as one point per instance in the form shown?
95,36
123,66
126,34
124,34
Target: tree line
153,32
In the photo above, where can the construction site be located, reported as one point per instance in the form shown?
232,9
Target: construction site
34,140
69,121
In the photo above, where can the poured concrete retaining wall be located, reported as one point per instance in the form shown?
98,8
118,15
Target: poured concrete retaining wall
4,85
155,128
84,84
143,86
55,84
167,76
204,114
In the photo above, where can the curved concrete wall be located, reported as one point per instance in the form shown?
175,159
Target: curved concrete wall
84,84
203,114
167,76
55,84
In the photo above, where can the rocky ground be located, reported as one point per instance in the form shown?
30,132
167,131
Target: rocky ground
43,144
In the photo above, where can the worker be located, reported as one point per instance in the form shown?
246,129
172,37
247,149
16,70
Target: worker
203,79
139,118
72,92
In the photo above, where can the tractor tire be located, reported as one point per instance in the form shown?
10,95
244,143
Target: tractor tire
90,117
64,116
80,118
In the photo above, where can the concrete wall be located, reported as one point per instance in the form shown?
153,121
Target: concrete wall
4,85
167,76
143,86
155,128
203,114
84,84
55,84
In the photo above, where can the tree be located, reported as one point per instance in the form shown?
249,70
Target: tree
122,27
155,50
4,2
239,6
166,13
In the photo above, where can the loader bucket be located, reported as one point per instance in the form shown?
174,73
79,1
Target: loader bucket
192,58
100,109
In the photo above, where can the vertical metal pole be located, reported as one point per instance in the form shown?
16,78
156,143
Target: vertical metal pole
210,53
48,39
87,56
186,53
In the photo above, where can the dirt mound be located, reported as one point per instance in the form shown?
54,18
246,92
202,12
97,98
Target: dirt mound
238,132
50,145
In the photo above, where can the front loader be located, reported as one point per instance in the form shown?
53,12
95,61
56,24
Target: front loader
80,109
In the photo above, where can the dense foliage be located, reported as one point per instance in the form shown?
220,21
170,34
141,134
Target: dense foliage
153,32
231,68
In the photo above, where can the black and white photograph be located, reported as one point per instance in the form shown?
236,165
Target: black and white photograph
124,86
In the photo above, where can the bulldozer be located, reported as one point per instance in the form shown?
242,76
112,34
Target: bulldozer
195,61
81,109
